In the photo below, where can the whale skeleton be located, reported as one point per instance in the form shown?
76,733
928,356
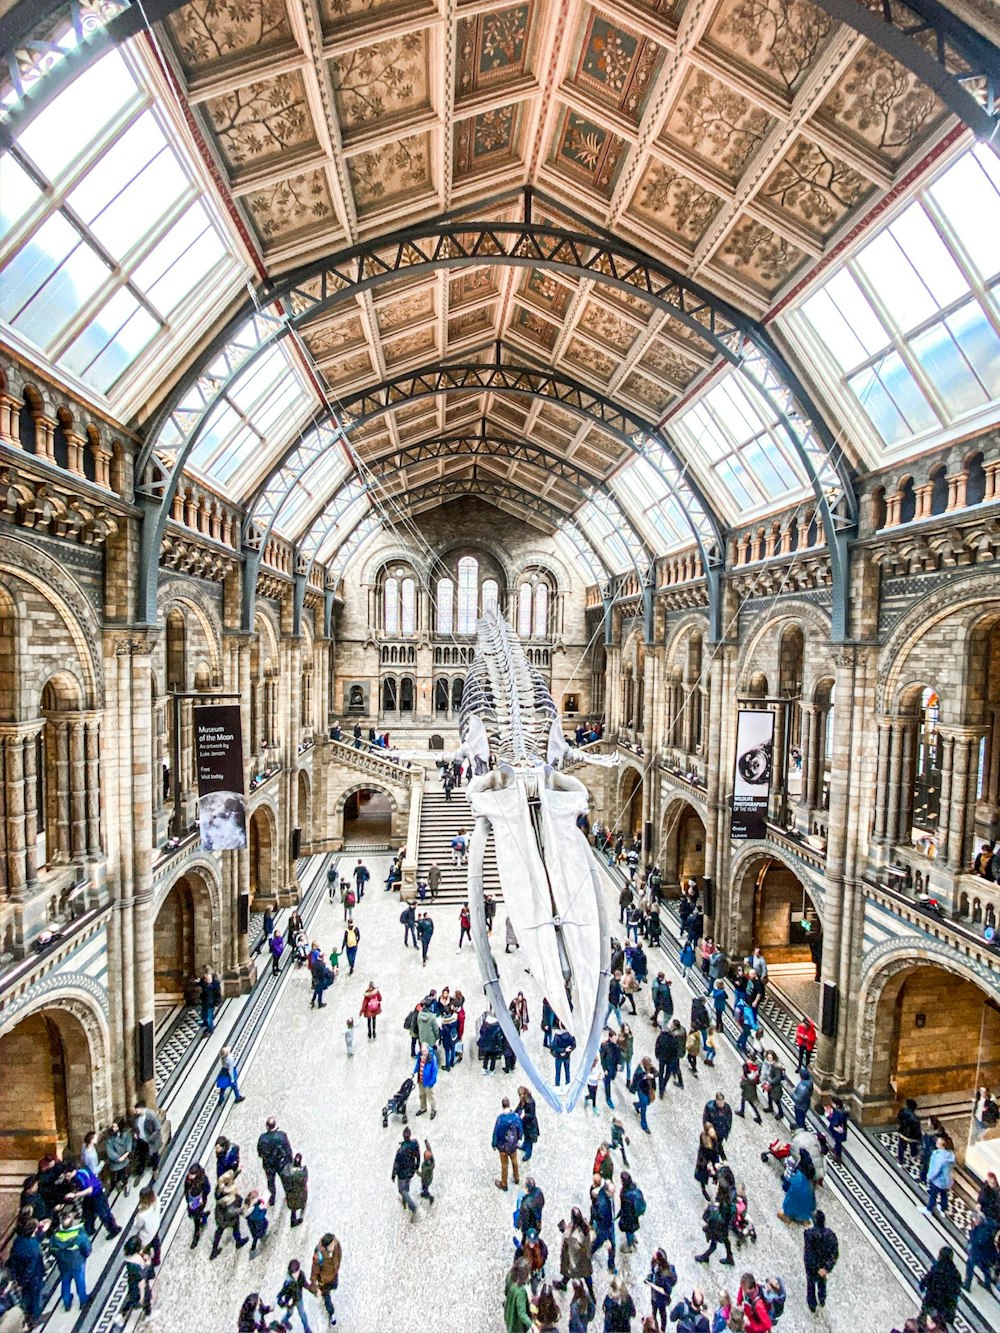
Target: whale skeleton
550,884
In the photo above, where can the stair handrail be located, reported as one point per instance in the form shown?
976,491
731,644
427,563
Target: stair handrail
400,770
408,888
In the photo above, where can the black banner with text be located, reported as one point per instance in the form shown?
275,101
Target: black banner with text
752,780
222,806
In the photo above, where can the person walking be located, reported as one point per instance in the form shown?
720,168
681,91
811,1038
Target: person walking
26,1265
70,1246
749,1082
631,1206
275,1152
719,1114
324,1275
772,1080
619,1307
371,1007
528,1114
563,1045
209,999
257,1223
228,1076
425,929
228,1213
516,1311
942,1286
602,1220
405,1165
661,1282
610,1059
717,1220
148,1128
982,1252
427,1165
464,926
227,1157
820,1252
800,1192
909,1132
663,1000
582,1309
643,1085
408,920
707,1160
139,1274
350,942
295,1182
576,1262
361,878
802,1098
276,947
290,1296
425,1073
507,1135
805,1042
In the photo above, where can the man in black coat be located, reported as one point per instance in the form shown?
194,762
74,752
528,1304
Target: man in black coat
942,1286
210,997
404,1167
425,929
275,1153
719,1114
820,1252
610,1057
666,1054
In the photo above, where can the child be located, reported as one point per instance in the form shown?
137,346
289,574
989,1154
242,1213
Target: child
775,1295
333,962
349,1036
691,1047
619,1138
593,1078
140,1272
711,1045
427,1172
257,1222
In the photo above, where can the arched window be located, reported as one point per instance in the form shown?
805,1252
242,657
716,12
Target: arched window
541,622
524,611
389,698
441,695
468,594
390,602
491,596
457,686
408,607
445,606
406,695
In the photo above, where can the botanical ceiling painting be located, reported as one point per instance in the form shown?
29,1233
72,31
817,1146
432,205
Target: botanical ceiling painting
373,84
717,124
493,48
776,41
618,66
209,31
262,120
815,187
880,104
734,141
290,205
391,173
675,204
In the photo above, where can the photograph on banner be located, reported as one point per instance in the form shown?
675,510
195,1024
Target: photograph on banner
752,779
222,805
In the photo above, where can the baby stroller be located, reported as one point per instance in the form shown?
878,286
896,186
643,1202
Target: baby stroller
743,1227
301,948
397,1105
777,1151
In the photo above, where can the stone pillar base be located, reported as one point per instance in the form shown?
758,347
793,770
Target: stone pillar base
239,980
289,896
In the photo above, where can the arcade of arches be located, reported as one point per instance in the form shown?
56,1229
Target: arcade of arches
645,327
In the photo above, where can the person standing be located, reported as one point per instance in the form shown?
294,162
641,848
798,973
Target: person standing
118,1152
427,1172
350,942
718,1113
802,1098
70,1246
147,1223
602,1220
631,1206
27,1267
209,998
371,1007
528,1114
507,1136
805,1041
663,1000
361,878
940,1172
909,1132
942,1286
229,1075
324,1276
800,1192
619,1308
148,1139
772,1080
295,1182
433,879
275,1153
458,849
405,1165
609,1057
425,929
257,1221
276,947
425,1073
982,1251
490,911
563,1045
290,1296
516,1312
820,1253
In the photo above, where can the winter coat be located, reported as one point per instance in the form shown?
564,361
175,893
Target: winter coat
429,1076
618,1315
371,1004
628,1210
428,1028
575,1259
529,1210
820,1249
274,1150
942,1285
800,1198
720,1118
295,1180
529,1120
70,1247
516,1316
118,1149
326,1265
507,1130
228,1204
25,1262
699,1014
407,1161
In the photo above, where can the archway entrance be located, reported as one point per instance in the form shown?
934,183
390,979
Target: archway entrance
260,847
937,1038
629,813
367,817
49,1105
787,927
175,960
681,852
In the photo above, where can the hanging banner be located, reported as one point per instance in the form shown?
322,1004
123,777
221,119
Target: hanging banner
222,806
752,780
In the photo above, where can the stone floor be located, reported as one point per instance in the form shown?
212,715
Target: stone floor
447,1271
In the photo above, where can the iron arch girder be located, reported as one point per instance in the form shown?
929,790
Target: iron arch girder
896,25
523,381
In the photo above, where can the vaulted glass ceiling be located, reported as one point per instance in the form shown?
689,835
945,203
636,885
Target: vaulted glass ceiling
119,254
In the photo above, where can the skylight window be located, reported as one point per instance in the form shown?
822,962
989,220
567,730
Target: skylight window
910,326
104,234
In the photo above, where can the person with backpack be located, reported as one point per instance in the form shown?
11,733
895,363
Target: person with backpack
324,1277
350,942
689,1314
371,1007
530,1207
349,897
458,849
507,1135
756,1314
405,1166
290,1296
631,1206
602,1220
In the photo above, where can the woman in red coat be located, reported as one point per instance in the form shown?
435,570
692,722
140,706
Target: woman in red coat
371,1006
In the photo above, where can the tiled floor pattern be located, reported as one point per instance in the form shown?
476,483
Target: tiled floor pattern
446,1272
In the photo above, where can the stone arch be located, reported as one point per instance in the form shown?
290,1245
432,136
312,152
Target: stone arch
378,560
303,805
562,578
813,623
887,968
397,829
201,613
681,848
81,1024
50,580
627,814
744,874
186,929
262,843
10,653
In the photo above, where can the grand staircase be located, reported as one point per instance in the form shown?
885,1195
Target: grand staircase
440,820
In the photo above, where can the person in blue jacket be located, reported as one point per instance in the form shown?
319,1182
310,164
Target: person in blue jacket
425,1073
602,1219
563,1044
507,1135
70,1246
27,1268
